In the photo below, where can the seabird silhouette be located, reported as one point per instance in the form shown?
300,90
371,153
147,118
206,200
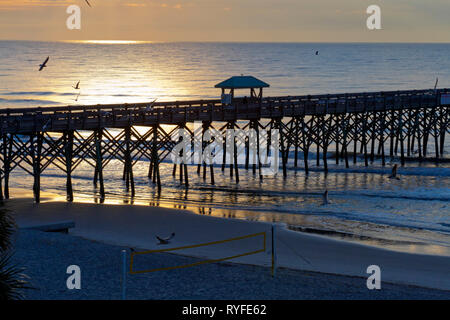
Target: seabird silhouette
77,86
394,173
317,53
44,127
165,240
44,64
150,107
325,198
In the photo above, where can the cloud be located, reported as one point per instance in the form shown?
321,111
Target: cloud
34,3
226,20
23,5
135,4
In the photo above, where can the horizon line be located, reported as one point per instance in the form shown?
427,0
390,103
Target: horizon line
121,41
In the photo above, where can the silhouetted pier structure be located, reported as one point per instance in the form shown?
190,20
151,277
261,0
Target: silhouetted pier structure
356,124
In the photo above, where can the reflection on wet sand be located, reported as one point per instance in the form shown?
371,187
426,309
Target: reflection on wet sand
365,203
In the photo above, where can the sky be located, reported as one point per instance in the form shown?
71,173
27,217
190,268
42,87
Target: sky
227,20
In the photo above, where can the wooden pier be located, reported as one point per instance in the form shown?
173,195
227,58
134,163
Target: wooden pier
356,125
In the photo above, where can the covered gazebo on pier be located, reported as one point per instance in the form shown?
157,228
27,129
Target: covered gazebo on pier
242,82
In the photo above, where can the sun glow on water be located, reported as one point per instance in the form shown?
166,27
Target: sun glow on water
108,41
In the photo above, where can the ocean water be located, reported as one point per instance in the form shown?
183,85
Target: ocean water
410,214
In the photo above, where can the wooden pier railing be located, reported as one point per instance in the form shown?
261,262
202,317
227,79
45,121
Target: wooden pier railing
28,120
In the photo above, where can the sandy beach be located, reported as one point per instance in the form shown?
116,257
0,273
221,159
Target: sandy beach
136,226
45,257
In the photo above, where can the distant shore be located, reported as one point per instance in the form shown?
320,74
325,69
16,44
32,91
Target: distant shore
136,226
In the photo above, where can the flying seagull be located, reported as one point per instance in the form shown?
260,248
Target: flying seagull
77,86
88,3
44,64
165,240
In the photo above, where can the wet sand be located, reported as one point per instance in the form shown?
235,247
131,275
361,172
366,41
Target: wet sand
136,226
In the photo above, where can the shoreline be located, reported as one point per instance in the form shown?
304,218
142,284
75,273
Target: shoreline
295,250
368,233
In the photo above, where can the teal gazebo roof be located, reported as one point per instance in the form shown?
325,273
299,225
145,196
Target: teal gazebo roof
242,82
